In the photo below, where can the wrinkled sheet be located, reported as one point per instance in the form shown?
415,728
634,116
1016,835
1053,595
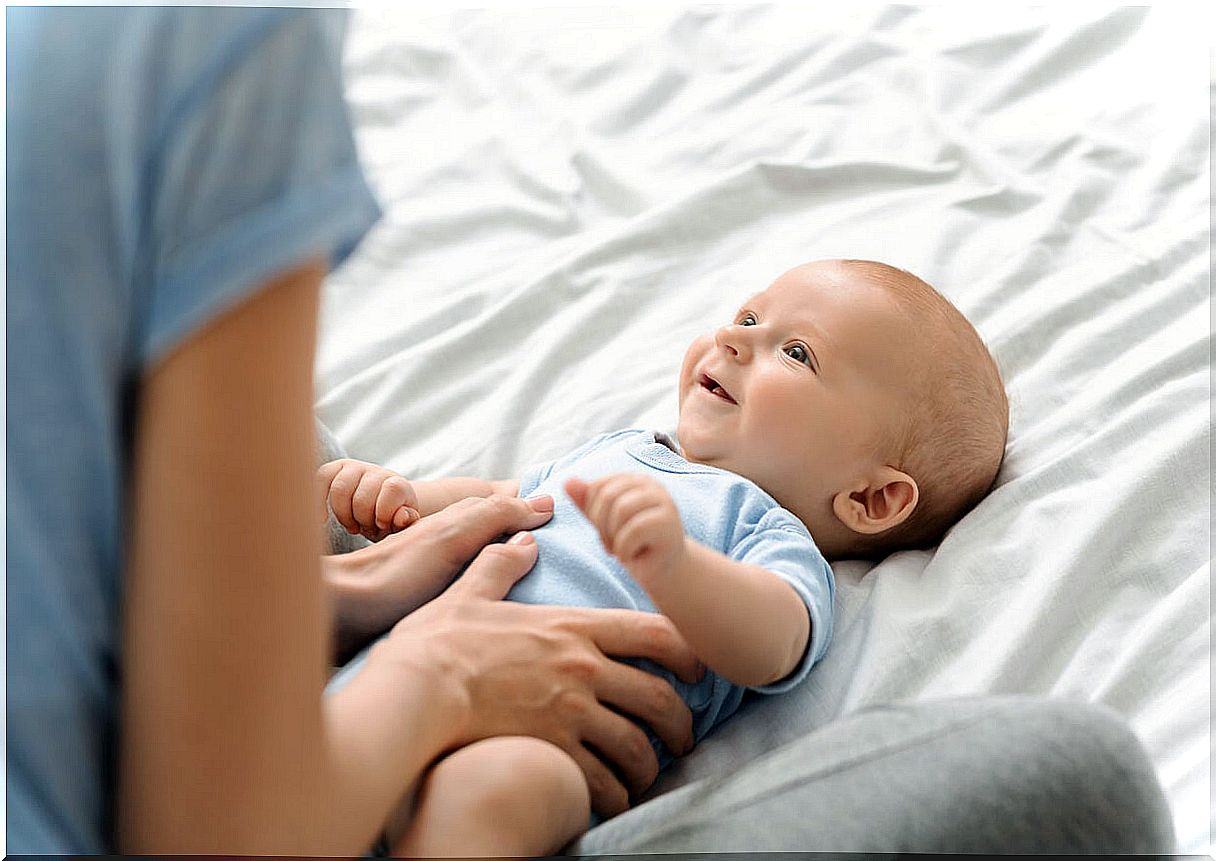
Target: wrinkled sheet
572,195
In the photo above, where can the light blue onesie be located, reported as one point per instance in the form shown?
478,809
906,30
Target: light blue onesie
719,509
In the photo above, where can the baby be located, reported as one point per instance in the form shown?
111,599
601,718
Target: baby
848,401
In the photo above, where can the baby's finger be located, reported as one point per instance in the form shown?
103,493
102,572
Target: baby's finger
395,492
595,503
633,542
341,489
403,517
623,508
598,497
321,481
577,490
363,503
324,478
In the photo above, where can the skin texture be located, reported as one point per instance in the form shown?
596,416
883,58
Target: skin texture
794,394
224,753
813,368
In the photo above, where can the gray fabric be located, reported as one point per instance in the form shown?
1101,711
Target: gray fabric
989,775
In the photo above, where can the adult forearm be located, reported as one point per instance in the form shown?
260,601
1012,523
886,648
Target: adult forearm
223,740
366,599
744,622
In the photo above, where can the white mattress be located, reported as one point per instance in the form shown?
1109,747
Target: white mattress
572,196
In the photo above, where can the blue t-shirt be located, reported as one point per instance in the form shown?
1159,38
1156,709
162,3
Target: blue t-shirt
162,164
719,509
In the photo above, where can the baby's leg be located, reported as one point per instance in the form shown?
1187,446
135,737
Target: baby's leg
507,796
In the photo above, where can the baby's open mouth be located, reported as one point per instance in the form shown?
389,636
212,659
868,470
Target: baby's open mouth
715,388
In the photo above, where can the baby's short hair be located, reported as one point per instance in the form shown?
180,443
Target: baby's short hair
951,436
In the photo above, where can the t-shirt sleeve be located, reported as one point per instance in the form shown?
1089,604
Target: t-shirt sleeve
791,554
253,166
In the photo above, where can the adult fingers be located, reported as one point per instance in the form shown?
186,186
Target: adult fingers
496,569
637,634
459,531
622,743
651,700
609,796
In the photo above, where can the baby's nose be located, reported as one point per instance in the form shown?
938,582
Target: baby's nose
732,339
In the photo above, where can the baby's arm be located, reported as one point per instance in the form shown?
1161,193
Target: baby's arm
376,502
439,493
743,621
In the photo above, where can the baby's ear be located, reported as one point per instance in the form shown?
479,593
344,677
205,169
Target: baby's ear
883,502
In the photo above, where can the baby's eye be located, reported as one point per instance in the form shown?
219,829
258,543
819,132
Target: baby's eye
799,353
748,319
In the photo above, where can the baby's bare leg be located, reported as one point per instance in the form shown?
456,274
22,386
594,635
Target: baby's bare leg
507,796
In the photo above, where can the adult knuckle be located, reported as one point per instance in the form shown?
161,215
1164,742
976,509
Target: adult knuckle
659,697
571,703
502,506
495,552
658,634
581,665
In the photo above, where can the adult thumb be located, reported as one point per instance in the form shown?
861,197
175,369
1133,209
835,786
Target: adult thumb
497,568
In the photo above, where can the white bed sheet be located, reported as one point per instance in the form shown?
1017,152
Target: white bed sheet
572,195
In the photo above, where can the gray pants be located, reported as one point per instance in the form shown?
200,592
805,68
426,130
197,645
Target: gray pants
985,775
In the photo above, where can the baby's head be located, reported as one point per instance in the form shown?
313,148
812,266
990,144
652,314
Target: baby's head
858,397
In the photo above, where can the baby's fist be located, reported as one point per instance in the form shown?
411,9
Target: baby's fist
367,499
637,520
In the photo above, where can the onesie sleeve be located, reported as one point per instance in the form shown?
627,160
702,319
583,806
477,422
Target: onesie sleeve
252,165
787,550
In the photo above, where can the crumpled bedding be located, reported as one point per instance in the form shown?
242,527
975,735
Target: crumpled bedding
571,197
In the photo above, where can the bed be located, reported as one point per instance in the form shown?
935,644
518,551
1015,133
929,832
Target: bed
572,195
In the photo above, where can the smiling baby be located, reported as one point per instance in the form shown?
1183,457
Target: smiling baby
847,411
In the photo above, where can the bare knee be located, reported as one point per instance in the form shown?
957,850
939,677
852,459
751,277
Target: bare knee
509,795
496,770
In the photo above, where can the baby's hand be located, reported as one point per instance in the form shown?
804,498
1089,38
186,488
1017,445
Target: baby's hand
637,521
366,499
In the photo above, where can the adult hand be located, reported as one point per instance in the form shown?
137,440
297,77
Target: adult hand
548,672
374,587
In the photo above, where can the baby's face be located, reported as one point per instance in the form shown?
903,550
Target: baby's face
796,392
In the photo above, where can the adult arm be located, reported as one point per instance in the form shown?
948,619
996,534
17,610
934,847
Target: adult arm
225,746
